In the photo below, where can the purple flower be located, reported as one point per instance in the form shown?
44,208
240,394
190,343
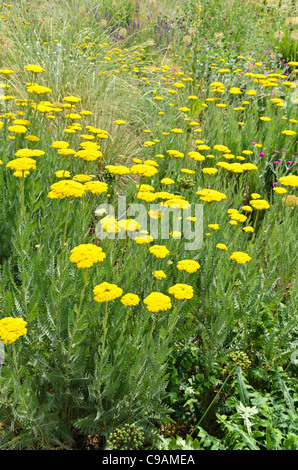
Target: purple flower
261,154
284,150
276,151
275,163
289,162
275,184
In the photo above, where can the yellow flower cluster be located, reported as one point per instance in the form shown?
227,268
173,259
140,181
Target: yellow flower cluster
156,301
240,257
290,180
159,251
210,195
130,300
86,255
105,292
181,291
11,329
259,204
66,188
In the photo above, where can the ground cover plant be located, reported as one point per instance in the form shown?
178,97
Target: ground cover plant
148,244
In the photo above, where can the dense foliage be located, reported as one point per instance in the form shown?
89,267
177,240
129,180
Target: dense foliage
115,331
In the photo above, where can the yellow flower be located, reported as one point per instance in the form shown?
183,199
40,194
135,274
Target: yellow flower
96,187
29,153
240,257
66,188
38,89
221,246
18,129
34,68
22,164
82,178
130,300
62,174
106,292
11,329
89,154
159,274
119,122
210,195
159,251
167,181
188,265
246,208
181,291
72,99
290,180
288,132
146,196
238,217
248,229
255,196
210,171
214,226
118,169
60,144
143,170
280,190
156,301
86,255
144,240
259,204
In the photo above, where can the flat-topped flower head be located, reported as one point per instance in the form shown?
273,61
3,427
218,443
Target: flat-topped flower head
143,170
86,255
130,300
181,291
34,68
89,155
159,251
66,188
22,164
221,246
210,195
156,301
118,169
105,292
72,99
96,187
11,329
289,180
240,257
259,204
188,265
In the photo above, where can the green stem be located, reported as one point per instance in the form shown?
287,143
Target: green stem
105,329
22,211
61,264
214,399
77,317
